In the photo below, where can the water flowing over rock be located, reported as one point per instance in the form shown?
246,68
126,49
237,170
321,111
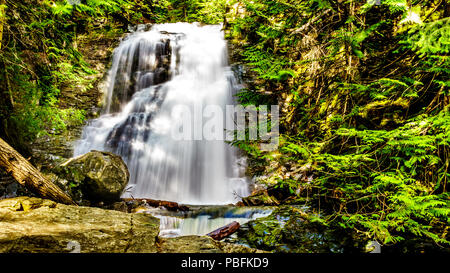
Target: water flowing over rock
152,73
203,220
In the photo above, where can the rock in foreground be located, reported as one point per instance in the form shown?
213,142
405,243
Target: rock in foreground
36,225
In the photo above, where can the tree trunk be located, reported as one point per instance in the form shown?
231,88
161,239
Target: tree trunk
29,176
224,231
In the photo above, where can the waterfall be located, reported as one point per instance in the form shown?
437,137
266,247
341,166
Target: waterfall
153,72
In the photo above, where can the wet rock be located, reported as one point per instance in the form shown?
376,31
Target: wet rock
119,206
261,198
96,176
200,244
36,225
169,205
269,196
290,229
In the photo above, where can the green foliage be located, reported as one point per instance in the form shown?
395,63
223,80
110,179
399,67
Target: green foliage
366,127
208,12
431,38
38,60
407,184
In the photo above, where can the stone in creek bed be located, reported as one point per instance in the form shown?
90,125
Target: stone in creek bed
99,176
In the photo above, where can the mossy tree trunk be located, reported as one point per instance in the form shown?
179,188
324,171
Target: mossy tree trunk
29,176
2,20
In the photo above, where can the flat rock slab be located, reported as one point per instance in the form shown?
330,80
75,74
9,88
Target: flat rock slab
30,224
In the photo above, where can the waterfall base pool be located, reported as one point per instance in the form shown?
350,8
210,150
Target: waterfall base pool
202,220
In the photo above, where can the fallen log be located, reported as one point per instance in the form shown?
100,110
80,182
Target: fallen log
224,231
30,177
169,205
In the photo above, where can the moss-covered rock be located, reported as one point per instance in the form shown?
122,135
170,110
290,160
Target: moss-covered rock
96,176
290,229
269,196
260,198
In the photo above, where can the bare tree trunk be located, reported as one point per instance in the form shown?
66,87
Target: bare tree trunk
29,176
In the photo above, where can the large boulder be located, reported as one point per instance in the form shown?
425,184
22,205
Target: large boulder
96,176
31,224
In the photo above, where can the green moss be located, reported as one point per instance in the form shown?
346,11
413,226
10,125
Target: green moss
289,229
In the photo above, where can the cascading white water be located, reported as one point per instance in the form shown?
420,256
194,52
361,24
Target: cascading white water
153,72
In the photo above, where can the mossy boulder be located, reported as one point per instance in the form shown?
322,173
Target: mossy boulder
290,229
95,176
